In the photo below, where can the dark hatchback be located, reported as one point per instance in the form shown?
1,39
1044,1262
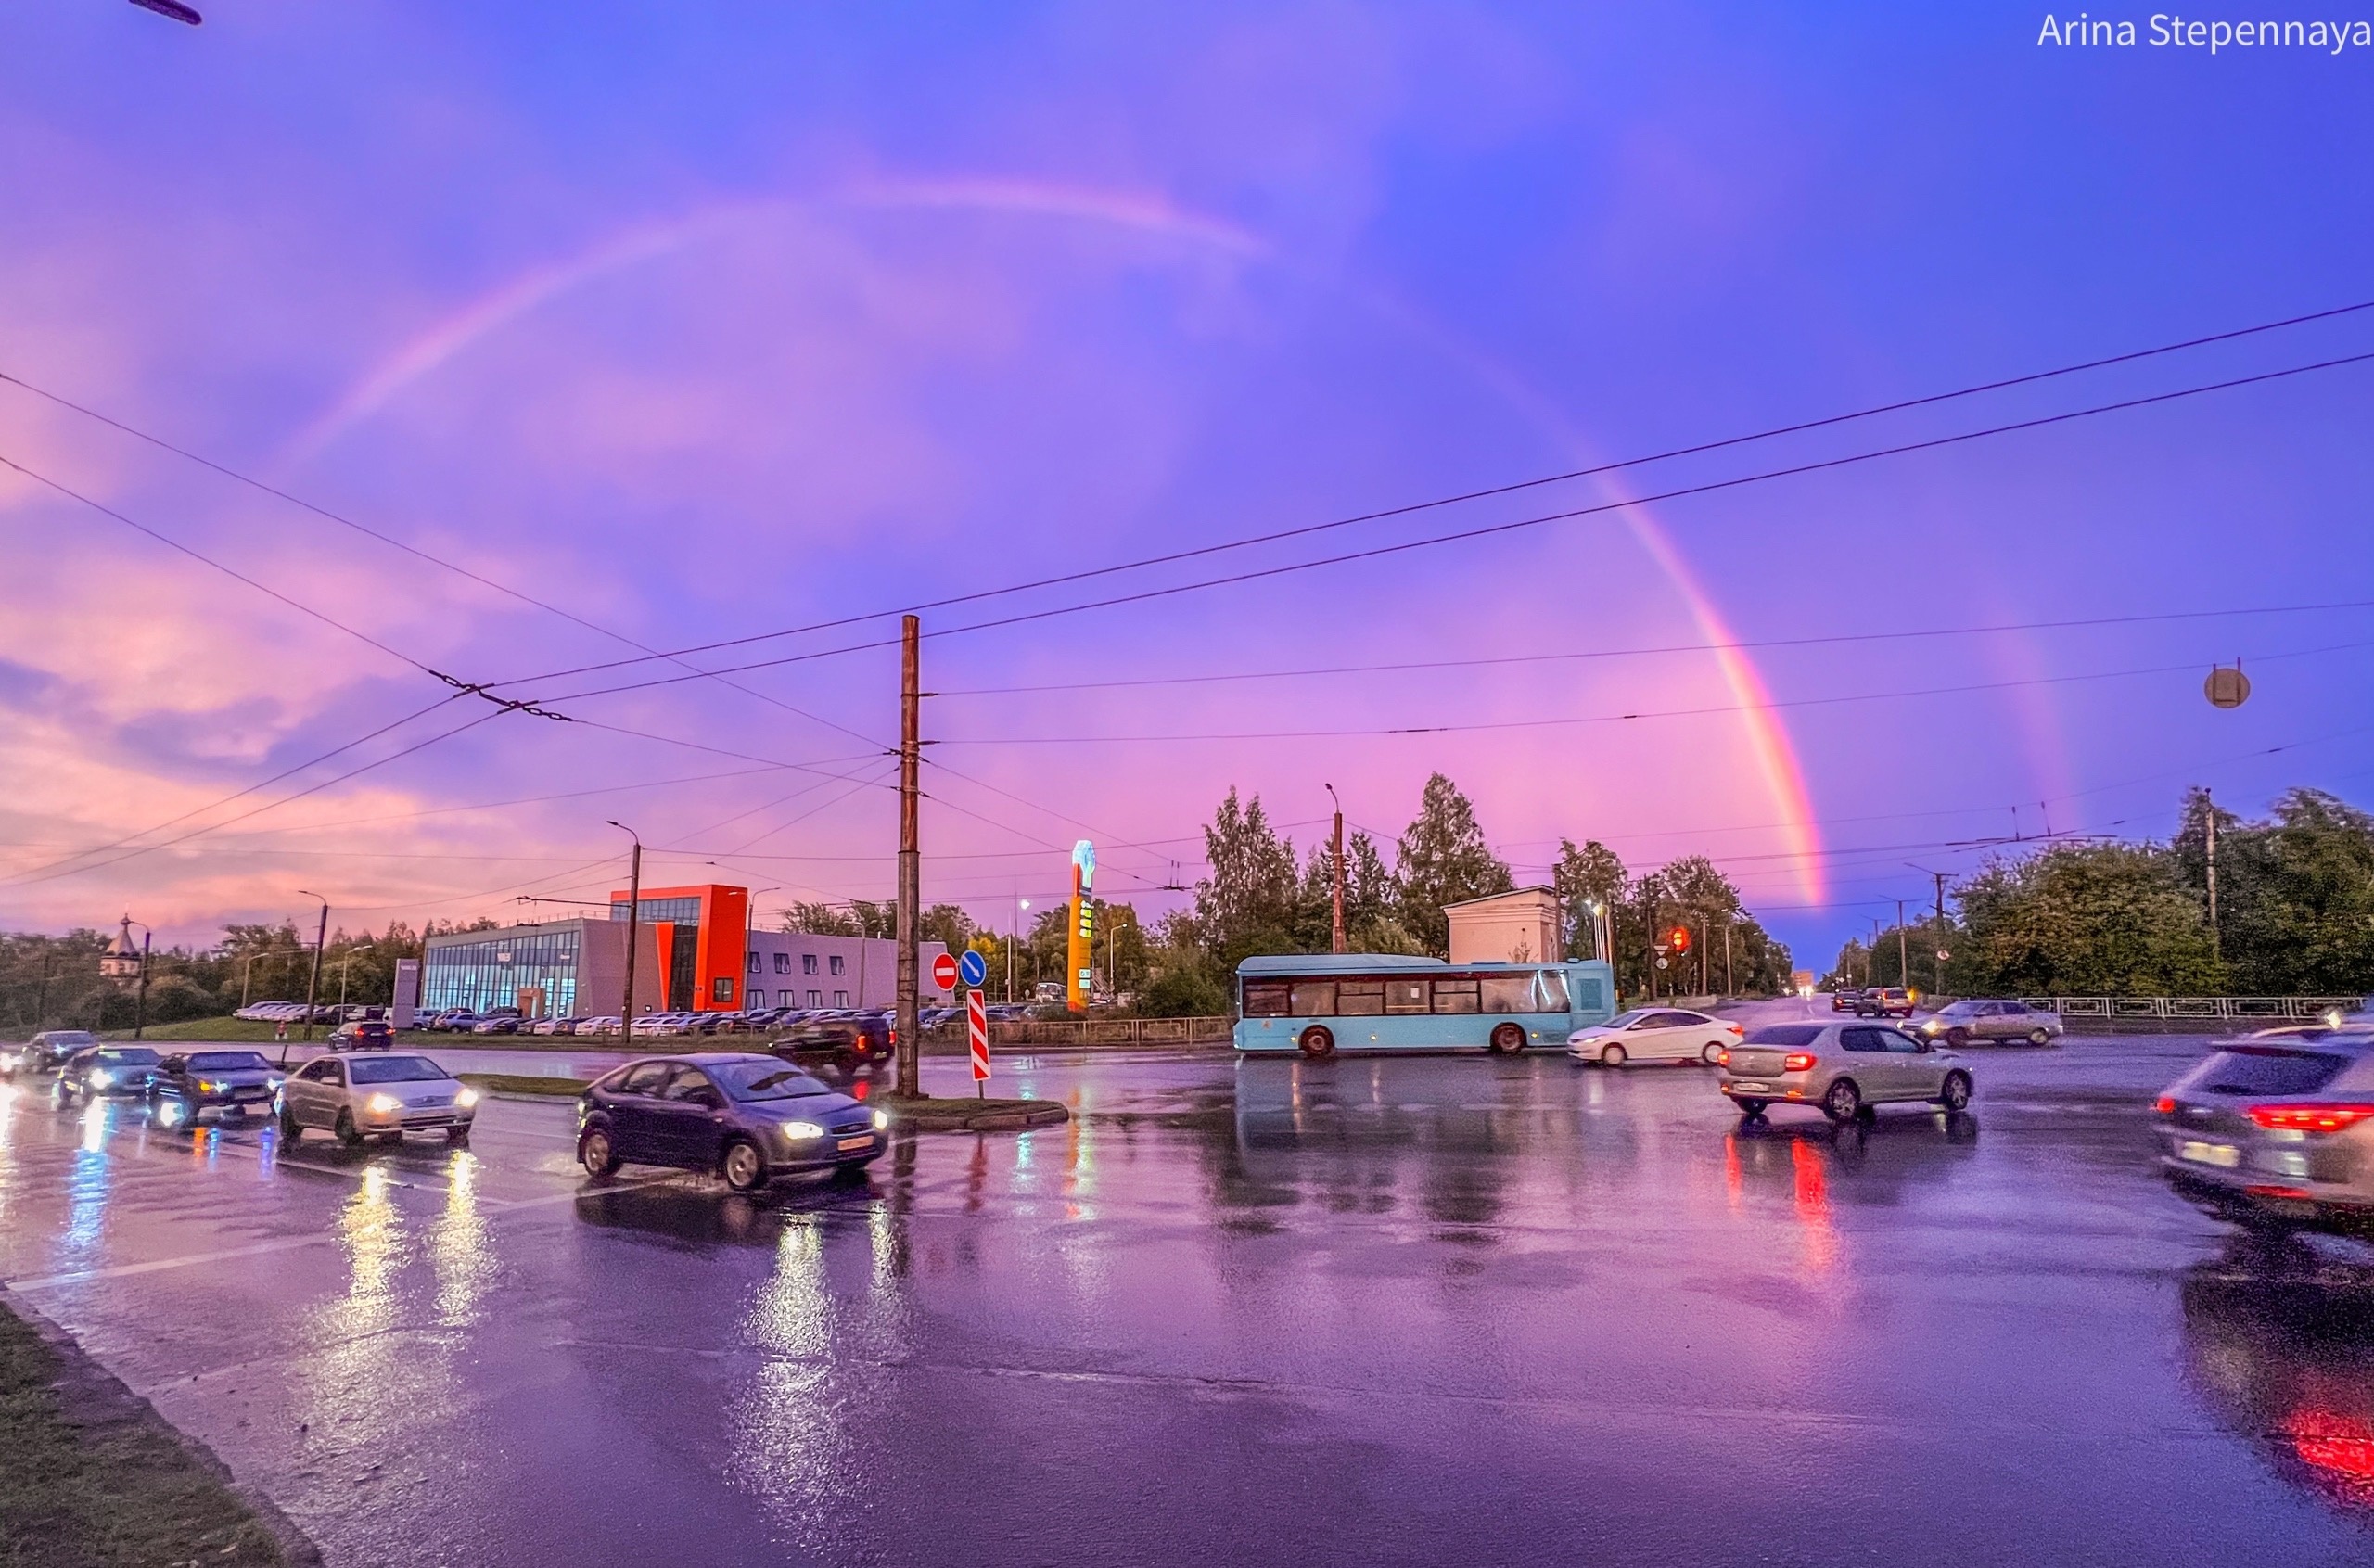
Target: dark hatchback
235,1082
744,1117
108,1070
864,1040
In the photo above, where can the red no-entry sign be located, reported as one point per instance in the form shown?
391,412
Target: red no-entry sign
976,1034
943,972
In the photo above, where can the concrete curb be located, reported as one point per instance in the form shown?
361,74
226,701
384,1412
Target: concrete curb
89,1390
1006,1118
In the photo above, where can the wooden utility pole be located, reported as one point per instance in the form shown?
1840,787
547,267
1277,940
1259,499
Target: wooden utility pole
911,860
1339,870
1903,965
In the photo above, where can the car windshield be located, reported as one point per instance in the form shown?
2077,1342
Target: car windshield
1623,1020
227,1061
764,1080
72,1037
131,1055
394,1069
2263,1069
1960,1010
1795,1035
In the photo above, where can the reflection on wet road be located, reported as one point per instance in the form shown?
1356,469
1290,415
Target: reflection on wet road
1415,1310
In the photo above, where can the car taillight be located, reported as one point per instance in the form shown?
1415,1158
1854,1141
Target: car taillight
2166,1105
1722,1058
1737,1029
2310,1118
894,1037
1797,1062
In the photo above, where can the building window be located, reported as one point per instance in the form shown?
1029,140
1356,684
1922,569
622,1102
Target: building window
758,998
807,965
840,999
815,999
754,963
838,967
782,963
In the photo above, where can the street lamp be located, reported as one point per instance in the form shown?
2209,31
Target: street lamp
1013,942
634,922
1338,928
314,985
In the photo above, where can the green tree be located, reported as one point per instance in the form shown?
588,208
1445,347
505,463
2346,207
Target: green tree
2103,919
819,920
1248,903
1444,858
2295,893
1591,874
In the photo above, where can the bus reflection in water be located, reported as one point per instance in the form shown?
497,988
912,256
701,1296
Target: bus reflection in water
1320,1003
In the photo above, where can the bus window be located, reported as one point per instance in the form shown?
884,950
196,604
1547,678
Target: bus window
1405,996
1456,996
1508,993
1549,992
1360,998
1266,998
1587,997
1314,999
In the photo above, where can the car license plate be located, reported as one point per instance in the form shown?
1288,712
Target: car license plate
1751,1088
860,1141
2223,1156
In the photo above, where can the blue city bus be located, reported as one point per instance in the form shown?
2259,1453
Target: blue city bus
1319,1004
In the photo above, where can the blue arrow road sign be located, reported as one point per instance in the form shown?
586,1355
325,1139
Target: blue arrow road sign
973,969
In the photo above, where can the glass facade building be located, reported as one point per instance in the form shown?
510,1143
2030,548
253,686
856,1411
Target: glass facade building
481,970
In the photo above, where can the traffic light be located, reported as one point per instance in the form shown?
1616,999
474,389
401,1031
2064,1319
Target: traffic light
1680,938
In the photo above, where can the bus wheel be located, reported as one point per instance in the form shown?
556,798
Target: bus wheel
1317,1041
1509,1039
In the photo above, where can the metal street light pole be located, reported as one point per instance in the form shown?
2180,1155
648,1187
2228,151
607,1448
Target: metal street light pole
634,924
1013,942
314,985
140,1007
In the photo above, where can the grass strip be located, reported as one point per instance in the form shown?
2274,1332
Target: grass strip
92,1478
524,1083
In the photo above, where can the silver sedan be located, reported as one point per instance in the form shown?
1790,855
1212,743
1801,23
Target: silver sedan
1845,1069
375,1096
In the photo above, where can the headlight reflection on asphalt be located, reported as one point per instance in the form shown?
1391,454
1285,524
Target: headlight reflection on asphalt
459,1246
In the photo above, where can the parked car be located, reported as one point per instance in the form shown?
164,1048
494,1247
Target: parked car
359,1097
451,1020
602,1026
1885,1002
46,1052
232,1082
1971,1019
104,1072
363,1034
1843,1000
2275,1131
496,1024
859,1041
746,1118
554,1027
1843,1069
1653,1034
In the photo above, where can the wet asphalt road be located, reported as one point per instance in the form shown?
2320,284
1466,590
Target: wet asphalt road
1419,1310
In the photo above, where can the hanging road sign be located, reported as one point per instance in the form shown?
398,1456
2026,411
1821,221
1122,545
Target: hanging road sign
973,969
2226,688
943,972
976,1034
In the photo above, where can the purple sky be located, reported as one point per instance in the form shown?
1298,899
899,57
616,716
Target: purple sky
706,322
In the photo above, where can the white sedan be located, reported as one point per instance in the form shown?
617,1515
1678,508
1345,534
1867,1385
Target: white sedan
359,1097
1655,1034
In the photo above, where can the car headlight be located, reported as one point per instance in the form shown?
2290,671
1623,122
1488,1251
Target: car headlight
800,1132
102,1078
467,1098
208,1086
881,1119
383,1105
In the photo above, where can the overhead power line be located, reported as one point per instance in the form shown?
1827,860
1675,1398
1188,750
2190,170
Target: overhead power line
1462,497
1487,530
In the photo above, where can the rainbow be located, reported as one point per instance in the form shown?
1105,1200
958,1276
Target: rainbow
490,313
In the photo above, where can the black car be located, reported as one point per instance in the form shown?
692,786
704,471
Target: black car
861,1041
1845,998
364,1034
744,1117
232,1082
106,1071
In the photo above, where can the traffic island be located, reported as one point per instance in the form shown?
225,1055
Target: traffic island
91,1476
928,1112
524,1086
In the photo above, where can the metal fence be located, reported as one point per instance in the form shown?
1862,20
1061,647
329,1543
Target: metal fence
2219,1012
1091,1032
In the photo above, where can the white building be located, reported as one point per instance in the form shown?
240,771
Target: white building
1524,926
793,969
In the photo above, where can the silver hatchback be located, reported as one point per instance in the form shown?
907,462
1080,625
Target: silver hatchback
1843,1069
2277,1130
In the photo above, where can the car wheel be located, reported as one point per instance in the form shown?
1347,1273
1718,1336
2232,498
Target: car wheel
1956,1036
1317,1041
1708,1053
2040,1037
1749,1109
1844,1103
597,1153
291,1130
345,1129
1508,1038
743,1168
1955,1096
1612,1057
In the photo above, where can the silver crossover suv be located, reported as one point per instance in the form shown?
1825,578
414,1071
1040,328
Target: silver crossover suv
2277,1130
1843,1068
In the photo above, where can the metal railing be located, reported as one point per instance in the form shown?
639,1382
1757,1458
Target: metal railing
2198,1008
1111,1032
